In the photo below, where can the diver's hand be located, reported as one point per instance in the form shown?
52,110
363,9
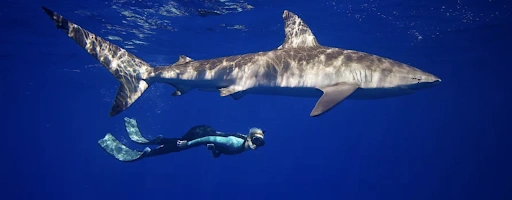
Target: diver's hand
182,143
210,147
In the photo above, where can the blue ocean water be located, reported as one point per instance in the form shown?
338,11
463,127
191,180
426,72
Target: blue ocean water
451,141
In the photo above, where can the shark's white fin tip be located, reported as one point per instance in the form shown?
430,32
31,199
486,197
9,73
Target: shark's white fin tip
232,91
226,91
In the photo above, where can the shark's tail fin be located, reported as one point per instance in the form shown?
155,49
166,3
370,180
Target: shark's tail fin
126,67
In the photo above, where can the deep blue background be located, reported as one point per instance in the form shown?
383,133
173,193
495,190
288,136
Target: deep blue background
447,142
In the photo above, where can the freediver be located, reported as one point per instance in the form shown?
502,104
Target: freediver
202,135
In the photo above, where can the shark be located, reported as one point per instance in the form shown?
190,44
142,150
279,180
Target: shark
299,67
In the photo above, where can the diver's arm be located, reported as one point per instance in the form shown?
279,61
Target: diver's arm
216,153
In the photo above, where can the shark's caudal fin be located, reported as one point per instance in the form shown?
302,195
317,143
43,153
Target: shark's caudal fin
126,67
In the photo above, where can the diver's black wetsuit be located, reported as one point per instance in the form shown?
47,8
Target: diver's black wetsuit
169,145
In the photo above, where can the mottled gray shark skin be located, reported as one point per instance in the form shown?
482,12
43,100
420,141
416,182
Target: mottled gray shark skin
300,67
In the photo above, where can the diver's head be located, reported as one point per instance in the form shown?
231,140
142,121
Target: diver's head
255,138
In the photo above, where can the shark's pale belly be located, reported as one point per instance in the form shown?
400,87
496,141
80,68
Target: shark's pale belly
361,93
286,91
214,85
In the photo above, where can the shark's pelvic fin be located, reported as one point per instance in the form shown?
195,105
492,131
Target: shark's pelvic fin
228,90
237,95
182,60
297,33
129,70
234,91
332,96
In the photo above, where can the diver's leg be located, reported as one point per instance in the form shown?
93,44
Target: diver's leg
198,131
115,148
166,141
170,146
163,141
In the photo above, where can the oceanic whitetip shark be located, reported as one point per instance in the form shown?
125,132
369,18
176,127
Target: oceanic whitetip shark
300,67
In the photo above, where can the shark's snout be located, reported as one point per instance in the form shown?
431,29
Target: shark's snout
425,77
435,82
434,79
426,80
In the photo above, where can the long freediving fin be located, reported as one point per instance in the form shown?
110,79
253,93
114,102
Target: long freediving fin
119,151
134,132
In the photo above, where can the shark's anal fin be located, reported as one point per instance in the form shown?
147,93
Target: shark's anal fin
180,90
333,95
176,93
297,33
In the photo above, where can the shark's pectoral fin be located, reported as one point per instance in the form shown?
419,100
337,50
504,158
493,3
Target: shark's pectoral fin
333,95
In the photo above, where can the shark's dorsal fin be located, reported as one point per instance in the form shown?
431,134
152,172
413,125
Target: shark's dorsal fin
297,32
182,60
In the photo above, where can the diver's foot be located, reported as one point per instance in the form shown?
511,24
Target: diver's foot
157,139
